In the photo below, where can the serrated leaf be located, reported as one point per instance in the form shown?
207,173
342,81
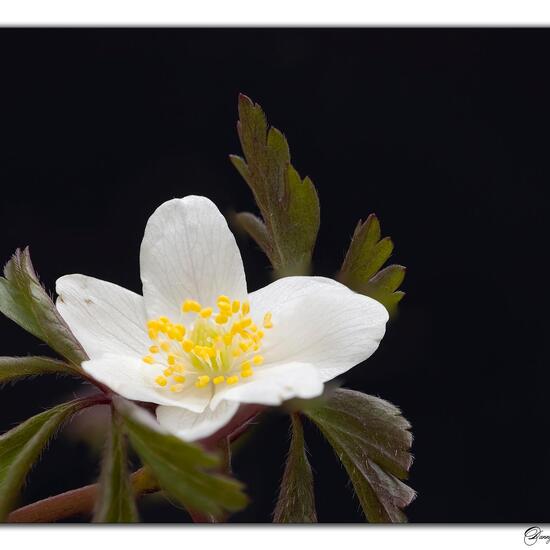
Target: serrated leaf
24,301
296,502
116,500
366,255
184,471
372,440
21,447
288,204
14,368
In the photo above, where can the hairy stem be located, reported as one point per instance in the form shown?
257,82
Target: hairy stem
81,501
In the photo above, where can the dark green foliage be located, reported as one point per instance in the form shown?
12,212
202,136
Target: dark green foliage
14,368
296,503
21,447
288,204
116,500
361,270
184,471
24,301
372,440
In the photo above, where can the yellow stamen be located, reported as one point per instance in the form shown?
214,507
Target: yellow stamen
232,380
202,381
191,305
245,308
206,312
179,379
221,319
161,381
218,379
257,359
267,320
168,372
247,373
176,388
187,345
165,346
236,306
154,349
148,359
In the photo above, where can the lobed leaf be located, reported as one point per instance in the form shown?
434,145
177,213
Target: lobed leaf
24,301
288,204
372,440
361,270
14,368
21,447
116,499
296,502
183,470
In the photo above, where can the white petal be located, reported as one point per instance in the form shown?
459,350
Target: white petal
105,318
319,321
273,384
191,426
134,379
188,251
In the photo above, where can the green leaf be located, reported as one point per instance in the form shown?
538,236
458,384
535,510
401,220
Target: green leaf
296,503
14,368
372,440
366,255
288,204
116,500
24,300
184,471
21,447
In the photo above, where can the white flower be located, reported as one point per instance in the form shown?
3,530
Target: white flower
197,344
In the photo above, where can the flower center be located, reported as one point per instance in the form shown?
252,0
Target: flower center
217,347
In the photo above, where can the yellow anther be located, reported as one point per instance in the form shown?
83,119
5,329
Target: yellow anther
253,327
180,329
171,359
202,381
172,333
206,312
179,379
267,320
227,339
260,334
245,308
218,379
187,345
225,309
237,352
257,359
236,306
153,333
168,372
153,324
176,388
232,380
178,367
148,359
221,319
247,373
245,322
161,381
245,365
165,346
164,320
244,346
191,305
154,349
223,298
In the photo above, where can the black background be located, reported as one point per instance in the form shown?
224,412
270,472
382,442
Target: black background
443,133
